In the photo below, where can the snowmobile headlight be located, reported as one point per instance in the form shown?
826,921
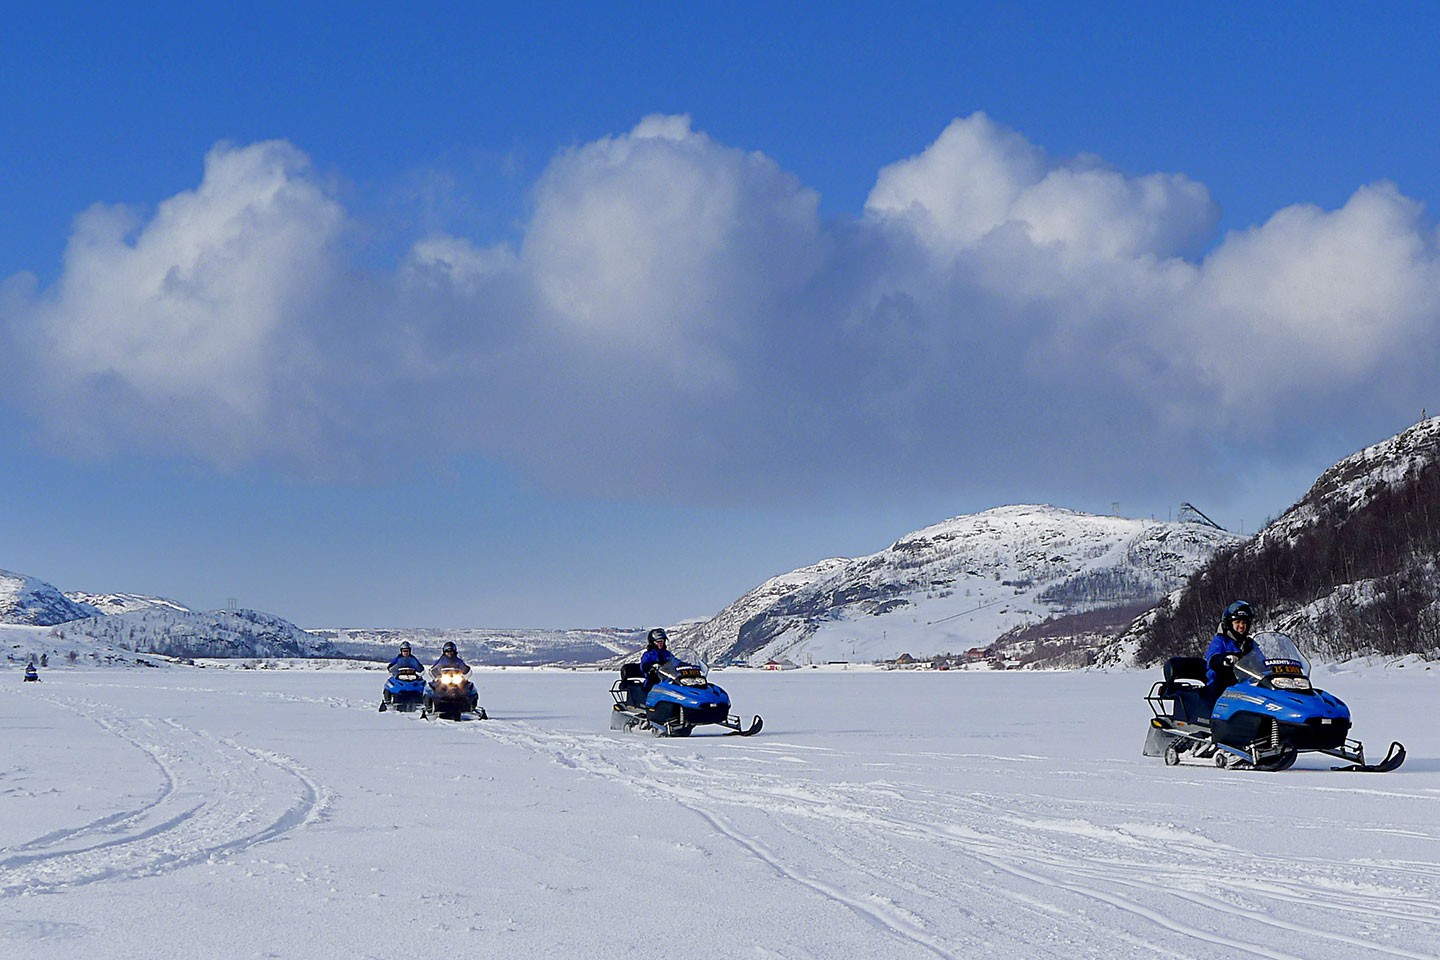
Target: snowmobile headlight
1290,683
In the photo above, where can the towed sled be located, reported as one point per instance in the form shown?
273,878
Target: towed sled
451,696
1264,722
404,691
676,699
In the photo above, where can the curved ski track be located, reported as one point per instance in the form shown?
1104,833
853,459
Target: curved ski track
215,798
975,875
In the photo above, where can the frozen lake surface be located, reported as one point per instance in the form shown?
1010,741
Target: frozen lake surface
238,814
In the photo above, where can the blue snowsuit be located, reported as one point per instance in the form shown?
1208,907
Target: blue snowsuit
402,661
653,657
1218,676
447,662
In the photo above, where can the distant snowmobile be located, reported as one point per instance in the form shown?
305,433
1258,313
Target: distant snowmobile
404,690
1263,722
31,674
679,699
451,695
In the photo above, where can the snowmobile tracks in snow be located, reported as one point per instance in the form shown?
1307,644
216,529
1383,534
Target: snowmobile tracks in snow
214,798
962,874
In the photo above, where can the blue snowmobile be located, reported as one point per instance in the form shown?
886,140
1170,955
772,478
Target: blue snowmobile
451,695
675,699
1263,722
404,690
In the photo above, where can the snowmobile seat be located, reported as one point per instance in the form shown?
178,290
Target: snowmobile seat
1185,683
1184,668
632,679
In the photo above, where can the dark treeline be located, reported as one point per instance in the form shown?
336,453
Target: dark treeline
1392,541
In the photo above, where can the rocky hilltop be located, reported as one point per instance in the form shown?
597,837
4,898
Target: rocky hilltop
1348,570
962,584
187,634
102,624
31,602
114,603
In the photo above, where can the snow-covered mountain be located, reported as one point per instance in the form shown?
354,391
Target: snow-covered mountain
486,647
1351,568
186,633
1357,482
43,647
32,602
960,584
110,604
715,637
107,628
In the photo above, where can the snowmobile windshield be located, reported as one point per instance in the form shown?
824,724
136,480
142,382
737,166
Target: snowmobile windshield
1274,655
686,669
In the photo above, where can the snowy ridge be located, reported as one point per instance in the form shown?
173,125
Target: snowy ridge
1355,480
714,636
1349,569
487,647
188,634
106,628
33,602
40,645
960,584
110,604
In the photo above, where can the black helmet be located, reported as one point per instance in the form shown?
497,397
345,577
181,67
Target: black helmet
449,647
1239,610
657,635
405,647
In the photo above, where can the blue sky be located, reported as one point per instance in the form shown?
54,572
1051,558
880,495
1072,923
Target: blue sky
541,316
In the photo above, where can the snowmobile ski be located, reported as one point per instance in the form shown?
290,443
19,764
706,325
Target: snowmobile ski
750,731
1393,758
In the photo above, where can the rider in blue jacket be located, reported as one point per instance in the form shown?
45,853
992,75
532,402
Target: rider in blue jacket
404,659
1230,644
655,652
449,660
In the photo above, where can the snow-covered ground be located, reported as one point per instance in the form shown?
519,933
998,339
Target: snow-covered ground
235,814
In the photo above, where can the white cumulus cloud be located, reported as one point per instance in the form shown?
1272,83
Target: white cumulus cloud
173,330
677,319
